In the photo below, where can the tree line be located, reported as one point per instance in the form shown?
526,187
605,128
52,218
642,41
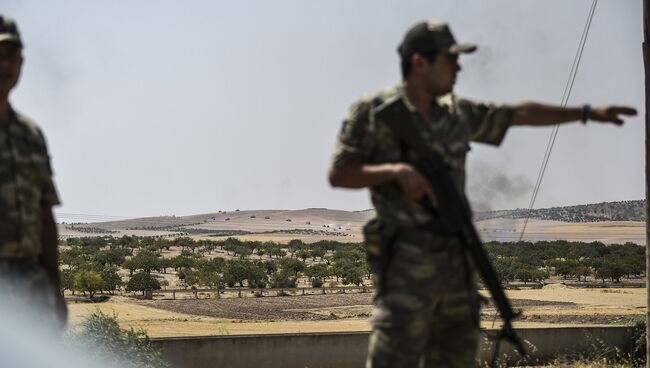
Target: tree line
97,264
91,265
536,262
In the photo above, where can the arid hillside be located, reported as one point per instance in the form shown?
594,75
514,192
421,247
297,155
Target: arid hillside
605,211
610,222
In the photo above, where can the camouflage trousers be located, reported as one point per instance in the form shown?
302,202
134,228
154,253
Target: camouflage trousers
26,289
426,311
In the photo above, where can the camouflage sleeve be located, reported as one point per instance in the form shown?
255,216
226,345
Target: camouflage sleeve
488,122
49,197
355,141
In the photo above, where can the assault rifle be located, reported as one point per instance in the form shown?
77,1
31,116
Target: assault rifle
452,211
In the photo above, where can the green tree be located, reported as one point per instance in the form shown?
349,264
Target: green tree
142,281
67,280
294,245
303,254
283,279
112,256
270,266
292,265
236,271
112,280
146,260
210,279
88,281
351,275
317,253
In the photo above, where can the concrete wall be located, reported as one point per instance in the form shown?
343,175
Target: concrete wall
348,350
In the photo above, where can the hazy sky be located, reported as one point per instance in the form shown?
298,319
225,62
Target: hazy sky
169,107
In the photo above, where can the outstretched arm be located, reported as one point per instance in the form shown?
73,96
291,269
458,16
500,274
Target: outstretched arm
537,114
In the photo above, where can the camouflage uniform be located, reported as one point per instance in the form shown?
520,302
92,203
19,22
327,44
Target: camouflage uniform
426,309
26,188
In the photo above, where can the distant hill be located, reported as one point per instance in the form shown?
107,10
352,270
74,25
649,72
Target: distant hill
597,212
322,223
327,223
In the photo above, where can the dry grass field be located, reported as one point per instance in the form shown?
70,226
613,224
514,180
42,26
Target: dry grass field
553,305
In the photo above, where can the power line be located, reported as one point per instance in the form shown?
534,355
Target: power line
565,98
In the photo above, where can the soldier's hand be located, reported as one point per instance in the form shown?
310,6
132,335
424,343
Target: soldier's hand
611,114
414,185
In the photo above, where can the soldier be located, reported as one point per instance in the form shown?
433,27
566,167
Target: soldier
426,308
28,239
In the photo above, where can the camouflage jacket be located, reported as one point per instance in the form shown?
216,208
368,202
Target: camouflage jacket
455,122
26,187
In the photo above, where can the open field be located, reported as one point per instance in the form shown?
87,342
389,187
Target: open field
550,306
313,224
608,232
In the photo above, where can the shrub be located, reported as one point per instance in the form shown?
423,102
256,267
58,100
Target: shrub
118,347
638,344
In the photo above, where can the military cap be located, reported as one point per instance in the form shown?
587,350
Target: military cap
9,30
432,36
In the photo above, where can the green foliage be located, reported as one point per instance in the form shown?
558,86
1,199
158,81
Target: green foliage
142,281
303,254
320,271
351,274
67,280
566,259
112,256
116,346
146,260
112,280
294,245
188,277
88,281
292,265
609,268
183,261
638,344
517,261
317,253
210,279
270,266
283,279
237,271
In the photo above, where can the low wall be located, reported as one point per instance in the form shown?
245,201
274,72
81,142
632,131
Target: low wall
348,349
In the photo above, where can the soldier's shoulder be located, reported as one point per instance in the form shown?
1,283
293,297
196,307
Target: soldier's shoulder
369,101
455,103
28,125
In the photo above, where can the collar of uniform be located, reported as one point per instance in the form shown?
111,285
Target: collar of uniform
407,102
438,104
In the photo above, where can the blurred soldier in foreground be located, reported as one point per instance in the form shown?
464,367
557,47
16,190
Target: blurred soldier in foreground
427,304
29,271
